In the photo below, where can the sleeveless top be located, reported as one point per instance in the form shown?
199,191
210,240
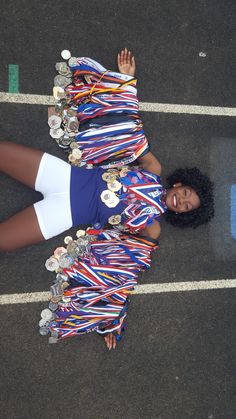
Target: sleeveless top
128,197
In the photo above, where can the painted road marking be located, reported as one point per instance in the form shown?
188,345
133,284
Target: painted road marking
35,297
13,78
233,210
144,106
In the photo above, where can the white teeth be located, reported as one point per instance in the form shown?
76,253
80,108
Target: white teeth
174,200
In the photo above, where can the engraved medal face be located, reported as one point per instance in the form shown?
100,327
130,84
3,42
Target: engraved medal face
114,186
109,198
56,133
108,177
54,122
114,219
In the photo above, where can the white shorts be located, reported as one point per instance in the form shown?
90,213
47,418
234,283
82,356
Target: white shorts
53,181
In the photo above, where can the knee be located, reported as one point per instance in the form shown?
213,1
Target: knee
6,247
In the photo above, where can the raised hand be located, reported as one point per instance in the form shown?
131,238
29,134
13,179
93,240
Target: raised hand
126,62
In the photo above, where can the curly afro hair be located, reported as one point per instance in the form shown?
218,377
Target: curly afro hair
203,187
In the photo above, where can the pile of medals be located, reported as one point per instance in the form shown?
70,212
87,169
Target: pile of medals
64,123
63,257
109,196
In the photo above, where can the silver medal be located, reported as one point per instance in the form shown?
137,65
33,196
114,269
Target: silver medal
54,121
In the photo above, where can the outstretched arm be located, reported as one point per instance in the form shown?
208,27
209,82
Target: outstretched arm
153,230
150,163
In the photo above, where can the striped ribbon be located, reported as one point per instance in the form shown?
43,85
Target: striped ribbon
143,197
97,92
100,284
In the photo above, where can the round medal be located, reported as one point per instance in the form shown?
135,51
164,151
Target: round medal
56,133
66,54
109,198
52,264
67,239
108,177
54,121
114,219
114,186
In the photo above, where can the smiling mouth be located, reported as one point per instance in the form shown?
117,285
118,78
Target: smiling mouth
174,201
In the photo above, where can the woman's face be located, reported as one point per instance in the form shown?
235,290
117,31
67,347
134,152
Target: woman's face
182,198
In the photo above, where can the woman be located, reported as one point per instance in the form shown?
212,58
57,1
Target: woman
96,274
71,193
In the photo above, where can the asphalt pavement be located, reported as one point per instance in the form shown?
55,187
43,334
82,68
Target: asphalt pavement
177,358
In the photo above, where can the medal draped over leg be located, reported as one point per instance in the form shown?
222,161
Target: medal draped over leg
99,285
90,91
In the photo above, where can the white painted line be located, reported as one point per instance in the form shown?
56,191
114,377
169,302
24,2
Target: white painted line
144,106
187,109
26,98
35,297
31,297
185,286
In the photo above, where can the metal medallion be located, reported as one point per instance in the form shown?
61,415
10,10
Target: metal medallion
43,330
114,219
114,186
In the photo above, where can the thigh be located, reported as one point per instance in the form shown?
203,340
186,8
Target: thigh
20,230
53,176
20,162
54,214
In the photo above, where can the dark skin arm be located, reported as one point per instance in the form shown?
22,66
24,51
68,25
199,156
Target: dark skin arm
153,231
150,163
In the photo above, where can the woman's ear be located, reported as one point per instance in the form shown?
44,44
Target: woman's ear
177,184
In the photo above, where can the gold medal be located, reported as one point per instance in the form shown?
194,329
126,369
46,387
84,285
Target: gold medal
114,219
108,177
76,153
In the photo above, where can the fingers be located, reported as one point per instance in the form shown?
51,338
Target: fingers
125,57
110,341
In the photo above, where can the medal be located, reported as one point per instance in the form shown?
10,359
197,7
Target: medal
114,219
54,121
109,198
73,124
62,69
72,61
66,54
76,153
58,93
56,133
114,186
108,177
52,264
80,233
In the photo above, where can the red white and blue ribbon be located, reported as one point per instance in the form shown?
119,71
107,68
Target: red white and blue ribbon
106,93
144,199
100,284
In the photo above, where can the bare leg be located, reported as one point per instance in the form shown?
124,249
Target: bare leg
20,230
22,164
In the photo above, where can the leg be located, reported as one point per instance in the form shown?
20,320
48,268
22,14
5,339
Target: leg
20,230
20,162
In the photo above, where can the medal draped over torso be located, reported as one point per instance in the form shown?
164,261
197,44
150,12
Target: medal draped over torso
140,191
